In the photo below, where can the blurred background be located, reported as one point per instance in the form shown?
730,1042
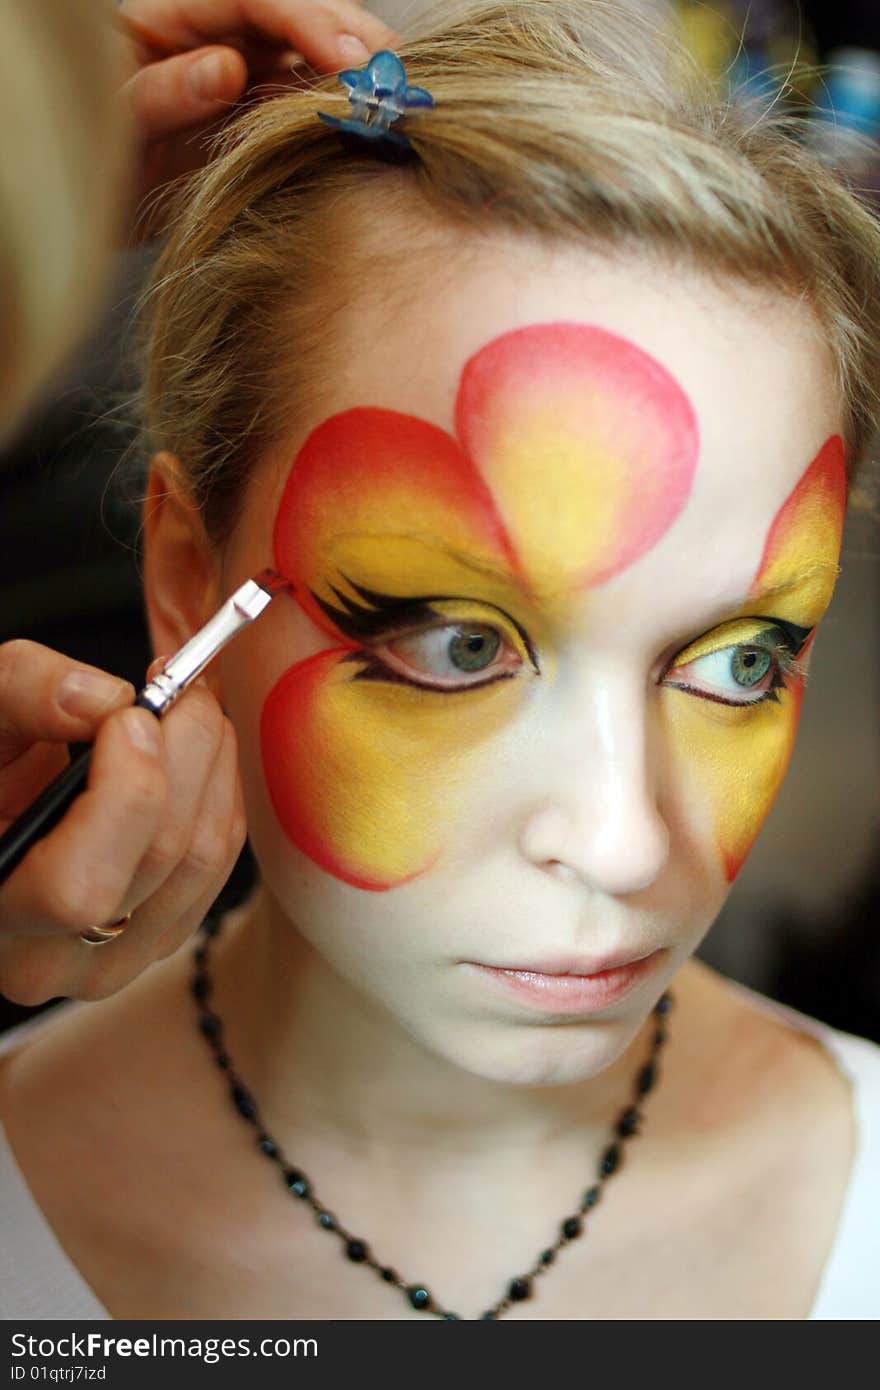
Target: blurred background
803,921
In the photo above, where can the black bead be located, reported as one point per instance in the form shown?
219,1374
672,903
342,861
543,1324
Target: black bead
211,926
591,1197
200,955
451,1317
571,1227
244,1102
519,1289
647,1077
327,1220
610,1161
548,1257
659,1036
223,1060
356,1250
268,1146
210,1025
489,1317
389,1275
419,1297
201,988
628,1122
663,1005
298,1184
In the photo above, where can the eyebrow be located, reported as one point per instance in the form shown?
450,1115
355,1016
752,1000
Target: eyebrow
436,543
431,542
778,590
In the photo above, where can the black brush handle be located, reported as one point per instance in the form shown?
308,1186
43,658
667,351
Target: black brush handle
43,814
50,806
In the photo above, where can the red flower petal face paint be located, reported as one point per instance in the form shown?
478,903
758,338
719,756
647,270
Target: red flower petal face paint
740,734
587,444
427,559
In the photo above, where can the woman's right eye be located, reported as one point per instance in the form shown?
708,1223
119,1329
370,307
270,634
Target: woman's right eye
455,656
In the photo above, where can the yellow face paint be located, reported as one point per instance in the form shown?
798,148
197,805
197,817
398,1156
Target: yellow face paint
739,752
804,540
575,451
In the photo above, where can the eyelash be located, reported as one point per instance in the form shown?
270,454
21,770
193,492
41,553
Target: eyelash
374,619
506,650
786,663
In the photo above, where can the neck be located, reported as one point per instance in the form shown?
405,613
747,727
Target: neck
324,1060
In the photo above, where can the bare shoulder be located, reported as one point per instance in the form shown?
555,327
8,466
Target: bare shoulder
788,1116
754,1132
789,1051
757,1064
81,1100
82,1065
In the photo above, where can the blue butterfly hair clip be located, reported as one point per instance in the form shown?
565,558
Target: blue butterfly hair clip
379,95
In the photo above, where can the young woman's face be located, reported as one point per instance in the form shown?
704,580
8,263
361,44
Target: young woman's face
561,534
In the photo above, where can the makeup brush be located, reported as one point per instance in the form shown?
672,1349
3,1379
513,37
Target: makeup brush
158,695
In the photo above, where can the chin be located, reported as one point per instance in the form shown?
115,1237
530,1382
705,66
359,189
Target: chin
558,1054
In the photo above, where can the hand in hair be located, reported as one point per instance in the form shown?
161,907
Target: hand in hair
155,834
197,59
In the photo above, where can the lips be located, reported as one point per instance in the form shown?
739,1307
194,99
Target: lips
566,994
577,967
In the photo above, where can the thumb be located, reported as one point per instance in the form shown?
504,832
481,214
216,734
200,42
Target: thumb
185,90
45,696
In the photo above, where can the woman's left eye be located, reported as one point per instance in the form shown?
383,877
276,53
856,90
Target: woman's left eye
746,674
455,656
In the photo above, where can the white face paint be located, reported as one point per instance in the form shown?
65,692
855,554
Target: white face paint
573,809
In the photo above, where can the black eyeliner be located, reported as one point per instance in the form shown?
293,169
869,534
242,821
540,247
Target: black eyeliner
797,636
387,615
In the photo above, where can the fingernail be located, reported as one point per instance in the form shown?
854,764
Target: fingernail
86,694
143,731
352,50
157,664
207,76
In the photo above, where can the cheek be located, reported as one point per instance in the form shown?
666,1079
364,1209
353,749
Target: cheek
368,778
734,761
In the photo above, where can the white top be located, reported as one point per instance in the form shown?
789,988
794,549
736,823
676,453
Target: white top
39,1282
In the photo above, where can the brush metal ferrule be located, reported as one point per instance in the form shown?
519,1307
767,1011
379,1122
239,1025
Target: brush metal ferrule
247,603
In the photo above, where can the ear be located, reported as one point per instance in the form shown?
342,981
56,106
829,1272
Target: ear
181,571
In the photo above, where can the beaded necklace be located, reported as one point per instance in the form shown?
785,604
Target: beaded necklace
356,1249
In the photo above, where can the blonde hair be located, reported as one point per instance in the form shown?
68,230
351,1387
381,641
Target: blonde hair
60,174
565,120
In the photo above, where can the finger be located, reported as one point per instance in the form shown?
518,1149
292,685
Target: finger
47,696
34,969
185,91
79,874
162,924
187,844
222,810
22,780
93,975
156,665
314,29
352,21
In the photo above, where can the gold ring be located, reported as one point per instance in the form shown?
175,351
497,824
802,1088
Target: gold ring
99,936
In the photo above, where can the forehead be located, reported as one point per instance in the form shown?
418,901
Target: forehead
751,363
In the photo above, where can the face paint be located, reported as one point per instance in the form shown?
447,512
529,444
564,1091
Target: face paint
804,539
738,744
575,453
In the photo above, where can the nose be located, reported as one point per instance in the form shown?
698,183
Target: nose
596,817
